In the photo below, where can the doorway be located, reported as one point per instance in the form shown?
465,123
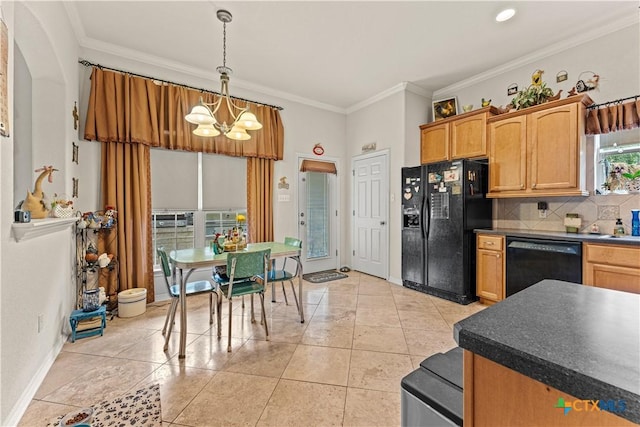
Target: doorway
318,214
370,239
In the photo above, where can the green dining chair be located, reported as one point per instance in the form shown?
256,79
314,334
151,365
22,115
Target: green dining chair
283,275
244,269
193,288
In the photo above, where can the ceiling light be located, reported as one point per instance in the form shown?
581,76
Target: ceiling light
204,113
505,15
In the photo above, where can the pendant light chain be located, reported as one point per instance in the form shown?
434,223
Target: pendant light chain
224,45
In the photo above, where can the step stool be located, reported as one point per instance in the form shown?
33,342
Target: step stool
78,315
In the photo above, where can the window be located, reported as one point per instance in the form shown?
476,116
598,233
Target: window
318,215
617,160
203,194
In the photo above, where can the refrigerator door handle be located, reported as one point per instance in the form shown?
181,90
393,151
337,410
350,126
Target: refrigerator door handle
425,215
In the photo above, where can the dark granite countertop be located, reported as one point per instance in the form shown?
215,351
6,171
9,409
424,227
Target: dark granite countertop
582,340
559,235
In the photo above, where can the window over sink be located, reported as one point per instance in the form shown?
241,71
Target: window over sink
617,162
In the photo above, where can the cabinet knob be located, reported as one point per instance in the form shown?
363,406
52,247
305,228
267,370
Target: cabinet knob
533,186
490,243
497,255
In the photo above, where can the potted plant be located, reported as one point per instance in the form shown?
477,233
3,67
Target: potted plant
533,95
632,183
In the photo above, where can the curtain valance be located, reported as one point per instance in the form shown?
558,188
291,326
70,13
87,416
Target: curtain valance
131,109
611,118
318,166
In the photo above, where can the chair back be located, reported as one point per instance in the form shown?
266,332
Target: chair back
166,268
291,241
243,265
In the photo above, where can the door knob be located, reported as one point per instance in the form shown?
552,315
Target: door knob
383,222
301,222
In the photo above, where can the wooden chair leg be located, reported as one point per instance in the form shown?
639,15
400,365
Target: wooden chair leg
264,317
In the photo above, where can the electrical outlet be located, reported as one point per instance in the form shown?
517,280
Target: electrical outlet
542,213
40,322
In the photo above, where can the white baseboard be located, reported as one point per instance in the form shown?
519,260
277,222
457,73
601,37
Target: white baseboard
18,410
395,280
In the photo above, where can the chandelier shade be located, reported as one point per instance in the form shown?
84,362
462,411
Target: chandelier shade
207,130
204,114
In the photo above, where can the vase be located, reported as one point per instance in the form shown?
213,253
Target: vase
635,222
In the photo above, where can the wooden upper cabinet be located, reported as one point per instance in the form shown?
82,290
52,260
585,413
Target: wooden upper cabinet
554,140
434,143
469,137
508,154
539,151
460,137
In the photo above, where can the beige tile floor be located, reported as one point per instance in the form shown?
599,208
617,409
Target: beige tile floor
343,366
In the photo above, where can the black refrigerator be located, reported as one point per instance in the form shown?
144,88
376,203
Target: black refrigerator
447,201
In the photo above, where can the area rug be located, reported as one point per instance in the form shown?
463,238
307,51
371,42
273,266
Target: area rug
323,276
137,408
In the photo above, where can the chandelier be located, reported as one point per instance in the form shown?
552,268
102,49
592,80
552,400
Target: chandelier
204,113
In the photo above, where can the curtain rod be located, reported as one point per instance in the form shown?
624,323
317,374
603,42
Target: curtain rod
590,107
90,64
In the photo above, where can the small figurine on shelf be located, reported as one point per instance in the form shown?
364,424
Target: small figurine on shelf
91,255
110,216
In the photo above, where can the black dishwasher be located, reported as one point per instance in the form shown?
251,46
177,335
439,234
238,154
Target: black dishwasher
532,260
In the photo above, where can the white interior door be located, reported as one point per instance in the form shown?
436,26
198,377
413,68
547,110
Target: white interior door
370,214
317,220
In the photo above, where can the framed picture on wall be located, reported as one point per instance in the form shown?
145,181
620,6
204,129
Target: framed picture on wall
445,108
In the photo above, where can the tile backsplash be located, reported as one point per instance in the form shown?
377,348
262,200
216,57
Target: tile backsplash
522,214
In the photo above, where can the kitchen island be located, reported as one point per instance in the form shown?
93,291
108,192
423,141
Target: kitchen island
556,353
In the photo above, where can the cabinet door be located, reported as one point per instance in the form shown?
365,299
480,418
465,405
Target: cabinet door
489,275
507,154
553,144
434,144
613,277
469,137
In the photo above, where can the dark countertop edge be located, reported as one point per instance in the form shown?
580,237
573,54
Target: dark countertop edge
559,235
561,378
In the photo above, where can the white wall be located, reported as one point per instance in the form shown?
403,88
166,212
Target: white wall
36,276
613,57
381,123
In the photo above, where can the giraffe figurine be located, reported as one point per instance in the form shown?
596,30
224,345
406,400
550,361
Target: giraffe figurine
34,202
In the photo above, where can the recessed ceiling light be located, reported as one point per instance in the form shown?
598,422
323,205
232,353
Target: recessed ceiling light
505,15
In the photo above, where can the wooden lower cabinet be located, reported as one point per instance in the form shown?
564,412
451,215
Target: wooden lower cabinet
614,267
490,268
495,395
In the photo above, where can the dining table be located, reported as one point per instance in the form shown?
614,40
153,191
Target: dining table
186,261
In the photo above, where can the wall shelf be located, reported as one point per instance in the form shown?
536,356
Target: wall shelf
40,227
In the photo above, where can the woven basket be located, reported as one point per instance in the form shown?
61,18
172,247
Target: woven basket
63,212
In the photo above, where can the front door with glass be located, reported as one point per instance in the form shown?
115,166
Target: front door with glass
317,221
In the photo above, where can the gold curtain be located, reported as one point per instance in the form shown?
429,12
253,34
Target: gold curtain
130,114
125,108
260,199
611,118
126,178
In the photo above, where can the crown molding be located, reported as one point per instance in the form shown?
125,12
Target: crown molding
134,55
586,37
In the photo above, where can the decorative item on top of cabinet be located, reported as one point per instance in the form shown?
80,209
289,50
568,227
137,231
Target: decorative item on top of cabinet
460,137
539,151
490,268
611,266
